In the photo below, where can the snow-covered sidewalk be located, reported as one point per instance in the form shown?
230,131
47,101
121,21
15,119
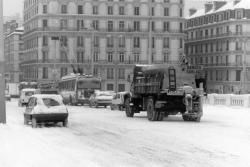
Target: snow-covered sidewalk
101,137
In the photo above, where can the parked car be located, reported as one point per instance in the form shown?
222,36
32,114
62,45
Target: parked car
25,95
101,98
118,101
45,108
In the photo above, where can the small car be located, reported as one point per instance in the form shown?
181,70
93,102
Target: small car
25,94
101,98
45,108
118,101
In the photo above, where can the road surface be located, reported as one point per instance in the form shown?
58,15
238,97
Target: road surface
104,138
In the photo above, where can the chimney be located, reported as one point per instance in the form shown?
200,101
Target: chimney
218,4
208,6
192,11
236,1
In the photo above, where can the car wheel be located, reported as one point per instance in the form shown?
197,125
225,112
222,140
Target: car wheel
34,122
112,107
65,122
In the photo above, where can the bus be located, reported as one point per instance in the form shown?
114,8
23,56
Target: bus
76,88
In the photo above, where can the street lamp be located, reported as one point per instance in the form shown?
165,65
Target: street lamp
2,62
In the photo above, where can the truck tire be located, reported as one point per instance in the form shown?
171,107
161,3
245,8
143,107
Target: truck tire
65,122
152,114
34,123
128,109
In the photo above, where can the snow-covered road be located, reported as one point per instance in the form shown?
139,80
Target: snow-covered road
101,137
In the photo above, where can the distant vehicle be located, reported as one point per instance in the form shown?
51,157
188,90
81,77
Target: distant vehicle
7,97
25,95
162,91
45,108
101,98
24,85
118,101
76,89
13,89
48,88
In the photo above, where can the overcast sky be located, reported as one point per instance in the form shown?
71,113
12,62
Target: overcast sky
11,7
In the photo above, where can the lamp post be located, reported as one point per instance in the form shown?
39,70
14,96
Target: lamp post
2,64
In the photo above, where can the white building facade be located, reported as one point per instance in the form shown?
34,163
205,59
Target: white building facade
219,40
103,37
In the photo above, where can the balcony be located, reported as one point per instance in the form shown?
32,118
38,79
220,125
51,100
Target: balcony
221,65
101,30
218,36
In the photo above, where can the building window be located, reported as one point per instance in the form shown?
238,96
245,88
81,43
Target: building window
165,26
45,73
238,59
166,11
136,25
137,11
80,24
122,42
110,10
64,9
110,42
121,10
110,25
238,28
136,42
63,24
153,42
64,71
166,42
95,24
121,73
238,45
152,11
181,12
80,57
136,57
95,71
227,75
121,87
45,56
45,9
64,41
45,41
110,87
121,57
181,43
110,73
165,57
80,9
238,74
45,23
80,42
96,41
121,25
95,10
239,14
96,56
110,56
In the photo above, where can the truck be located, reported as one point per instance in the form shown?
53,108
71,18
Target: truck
162,91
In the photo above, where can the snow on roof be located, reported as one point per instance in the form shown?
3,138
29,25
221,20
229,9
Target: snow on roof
52,96
243,4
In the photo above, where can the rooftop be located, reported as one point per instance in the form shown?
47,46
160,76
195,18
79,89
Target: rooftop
230,5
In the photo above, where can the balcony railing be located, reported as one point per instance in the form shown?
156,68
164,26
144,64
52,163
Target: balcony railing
224,65
88,61
100,30
229,34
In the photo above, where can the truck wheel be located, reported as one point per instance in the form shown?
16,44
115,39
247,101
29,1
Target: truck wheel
128,109
34,123
152,114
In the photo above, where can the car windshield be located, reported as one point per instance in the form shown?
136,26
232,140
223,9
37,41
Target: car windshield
29,93
105,94
50,102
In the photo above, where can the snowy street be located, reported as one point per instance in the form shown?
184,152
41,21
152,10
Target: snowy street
104,138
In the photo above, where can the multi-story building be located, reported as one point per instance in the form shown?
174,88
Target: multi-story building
218,39
103,37
13,52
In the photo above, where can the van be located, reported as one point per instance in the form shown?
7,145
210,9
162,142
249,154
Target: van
25,95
